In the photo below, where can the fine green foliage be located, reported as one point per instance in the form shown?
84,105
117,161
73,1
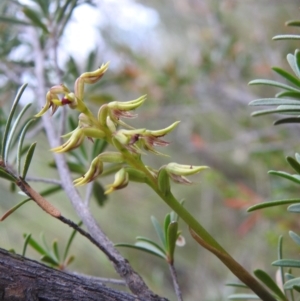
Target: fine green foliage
270,283
51,256
7,130
28,159
287,106
168,236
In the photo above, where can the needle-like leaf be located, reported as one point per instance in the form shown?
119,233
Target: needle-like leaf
9,120
28,159
13,130
270,283
27,238
20,145
273,204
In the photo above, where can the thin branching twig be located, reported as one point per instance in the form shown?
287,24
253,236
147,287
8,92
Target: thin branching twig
175,282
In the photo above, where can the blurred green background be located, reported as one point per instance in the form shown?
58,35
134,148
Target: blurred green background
193,59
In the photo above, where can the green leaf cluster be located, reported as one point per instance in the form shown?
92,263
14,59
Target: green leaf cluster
168,236
51,255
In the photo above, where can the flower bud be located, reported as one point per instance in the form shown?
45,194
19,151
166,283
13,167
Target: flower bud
177,172
52,99
74,141
121,181
96,168
103,114
127,105
184,170
88,78
163,132
48,105
94,76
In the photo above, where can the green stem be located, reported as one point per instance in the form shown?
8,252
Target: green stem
200,234
208,242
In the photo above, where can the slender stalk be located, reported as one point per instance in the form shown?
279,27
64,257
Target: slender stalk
200,234
208,242
175,282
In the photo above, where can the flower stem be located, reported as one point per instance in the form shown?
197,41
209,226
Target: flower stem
198,232
209,243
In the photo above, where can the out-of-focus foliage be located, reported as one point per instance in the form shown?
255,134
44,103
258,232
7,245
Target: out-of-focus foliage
193,59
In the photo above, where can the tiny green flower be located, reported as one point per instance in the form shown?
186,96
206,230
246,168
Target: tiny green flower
121,181
150,139
74,141
96,168
128,138
88,78
177,172
163,132
120,106
53,100
118,110
103,114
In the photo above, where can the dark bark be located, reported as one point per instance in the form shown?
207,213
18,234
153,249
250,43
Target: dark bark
22,279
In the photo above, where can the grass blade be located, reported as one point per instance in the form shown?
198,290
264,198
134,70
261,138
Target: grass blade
9,120
286,37
35,18
36,246
270,283
293,23
280,255
70,240
292,110
171,239
291,78
273,203
285,175
28,159
293,94
145,239
27,238
294,208
13,129
291,283
13,209
295,237
14,21
273,83
287,120
291,263
55,250
273,102
5,175
21,139
159,231
142,247
294,164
